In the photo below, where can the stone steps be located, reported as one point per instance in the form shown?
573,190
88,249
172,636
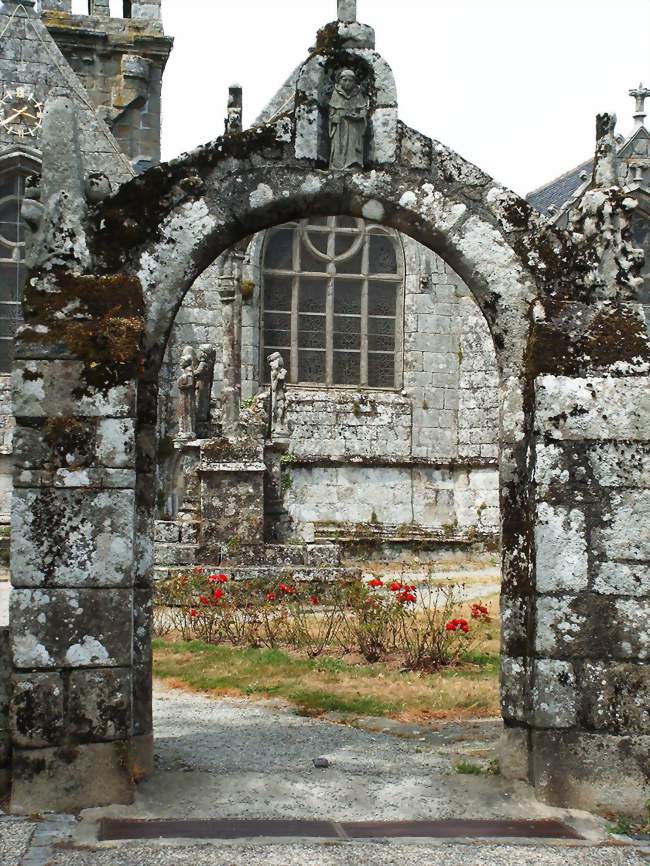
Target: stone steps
272,574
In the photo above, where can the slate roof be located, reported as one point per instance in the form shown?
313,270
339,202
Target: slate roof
560,190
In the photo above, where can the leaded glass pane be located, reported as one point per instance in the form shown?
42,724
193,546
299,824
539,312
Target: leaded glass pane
347,332
382,298
312,295
6,354
311,332
312,366
279,250
347,297
319,240
347,368
346,244
310,262
381,370
351,265
277,292
277,329
344,222
383,259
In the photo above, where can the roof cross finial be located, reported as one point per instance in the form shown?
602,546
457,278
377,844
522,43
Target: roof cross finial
640,94
347,11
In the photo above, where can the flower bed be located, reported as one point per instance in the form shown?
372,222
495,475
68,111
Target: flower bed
421,628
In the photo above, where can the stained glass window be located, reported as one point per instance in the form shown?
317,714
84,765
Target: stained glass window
12,268
333,289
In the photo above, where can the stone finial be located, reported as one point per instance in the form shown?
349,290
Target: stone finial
347,11
640,94
235,118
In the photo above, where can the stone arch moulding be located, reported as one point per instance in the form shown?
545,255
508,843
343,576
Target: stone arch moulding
108,281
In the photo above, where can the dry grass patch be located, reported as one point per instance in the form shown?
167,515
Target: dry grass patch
327,684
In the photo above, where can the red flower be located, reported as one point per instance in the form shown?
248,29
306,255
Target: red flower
314,600
408,598
218,593
479,611
458,625
193,612
286,589
204,599
396,587
271,596
376,583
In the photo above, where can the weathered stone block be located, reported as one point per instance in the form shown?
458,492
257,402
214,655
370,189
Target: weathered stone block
615,697
71,778
52,388
626,534
561,549
594,772
323,555
71,628
99,705
553,694
176,554
593,408
72,537
37,709
618,578
620,464
515,686
513,754
575,625
167,532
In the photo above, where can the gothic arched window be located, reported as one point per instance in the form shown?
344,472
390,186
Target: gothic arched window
333,300
12,268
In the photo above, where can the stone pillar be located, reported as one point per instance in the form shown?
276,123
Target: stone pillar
229,279
589,672
72,564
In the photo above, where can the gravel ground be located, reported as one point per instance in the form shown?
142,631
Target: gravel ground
14,839
237,759
352,855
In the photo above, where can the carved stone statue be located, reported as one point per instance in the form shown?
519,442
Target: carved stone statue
204,377
278,394
348,122
187,397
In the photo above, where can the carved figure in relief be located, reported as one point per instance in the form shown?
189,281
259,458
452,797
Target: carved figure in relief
204,377
187,397
348,122
278,394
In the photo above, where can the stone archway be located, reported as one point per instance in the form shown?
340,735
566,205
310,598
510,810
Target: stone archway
573,357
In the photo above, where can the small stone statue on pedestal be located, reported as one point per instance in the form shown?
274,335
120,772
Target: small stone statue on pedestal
204,376
278,395
348,122
187,397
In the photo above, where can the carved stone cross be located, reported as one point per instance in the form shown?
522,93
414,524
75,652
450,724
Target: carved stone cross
640,94
347,11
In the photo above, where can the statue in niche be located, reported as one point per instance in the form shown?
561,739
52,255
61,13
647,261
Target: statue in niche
278,394
187,398
204,377
348,122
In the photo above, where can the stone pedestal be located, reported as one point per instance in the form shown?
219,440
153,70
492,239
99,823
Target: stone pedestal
232,495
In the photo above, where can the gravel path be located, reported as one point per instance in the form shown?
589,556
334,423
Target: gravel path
237,759
353,855
15,834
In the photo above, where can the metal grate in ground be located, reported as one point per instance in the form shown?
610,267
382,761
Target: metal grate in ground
112,829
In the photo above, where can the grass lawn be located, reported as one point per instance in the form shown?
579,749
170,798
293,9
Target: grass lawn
326,684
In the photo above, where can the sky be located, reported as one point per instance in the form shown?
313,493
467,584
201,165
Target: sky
512,85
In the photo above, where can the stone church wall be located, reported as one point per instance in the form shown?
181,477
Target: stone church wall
425,455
